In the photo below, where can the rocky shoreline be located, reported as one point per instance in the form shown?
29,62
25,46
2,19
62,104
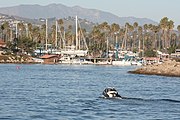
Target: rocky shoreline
16,59
168,68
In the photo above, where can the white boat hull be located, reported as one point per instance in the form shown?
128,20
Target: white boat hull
121,63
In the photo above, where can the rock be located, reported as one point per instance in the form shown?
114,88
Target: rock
168,68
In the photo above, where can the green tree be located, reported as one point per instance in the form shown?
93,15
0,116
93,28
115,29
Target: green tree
150,53
166,26
26,45
171,49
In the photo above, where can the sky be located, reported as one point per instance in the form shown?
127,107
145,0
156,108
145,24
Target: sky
153,9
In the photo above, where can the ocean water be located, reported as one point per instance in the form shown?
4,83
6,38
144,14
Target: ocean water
73,92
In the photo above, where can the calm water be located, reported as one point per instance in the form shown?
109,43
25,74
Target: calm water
69,92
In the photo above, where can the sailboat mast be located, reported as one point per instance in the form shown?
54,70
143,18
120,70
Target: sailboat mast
124,44
76,33
107,47
46,33
56,33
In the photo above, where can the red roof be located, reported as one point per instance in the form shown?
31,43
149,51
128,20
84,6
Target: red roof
48,56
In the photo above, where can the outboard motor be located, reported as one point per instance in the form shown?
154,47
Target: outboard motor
111,93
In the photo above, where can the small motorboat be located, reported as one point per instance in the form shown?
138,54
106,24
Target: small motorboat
111,92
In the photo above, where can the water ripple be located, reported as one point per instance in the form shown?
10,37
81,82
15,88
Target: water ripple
67,92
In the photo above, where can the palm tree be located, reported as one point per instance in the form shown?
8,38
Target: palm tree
135,25
62,41
5,31
114,30
69,35
131,37
155,30
135,35
30,28
36,34
164,27
104,32
96,37
43,33
171,27
178,27
173,40
125,38
145,37
53,34
21,30
60,22
2,29
114,27
140,38
121,36
145,27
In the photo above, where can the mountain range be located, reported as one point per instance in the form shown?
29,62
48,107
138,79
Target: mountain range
62,11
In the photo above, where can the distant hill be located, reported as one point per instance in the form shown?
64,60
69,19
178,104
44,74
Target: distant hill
62,11
88,25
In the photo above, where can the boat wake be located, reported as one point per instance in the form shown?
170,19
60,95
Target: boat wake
166,100
141,99
112,94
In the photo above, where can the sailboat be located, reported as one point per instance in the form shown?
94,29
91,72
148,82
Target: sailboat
124,58
46,48
120,61
74,54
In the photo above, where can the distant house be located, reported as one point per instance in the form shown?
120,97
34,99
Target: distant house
50,59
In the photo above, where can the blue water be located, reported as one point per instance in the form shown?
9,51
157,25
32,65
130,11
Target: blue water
71,92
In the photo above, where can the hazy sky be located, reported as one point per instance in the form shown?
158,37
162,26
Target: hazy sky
153,9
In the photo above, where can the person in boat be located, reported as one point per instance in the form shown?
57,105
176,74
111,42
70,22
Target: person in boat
111,93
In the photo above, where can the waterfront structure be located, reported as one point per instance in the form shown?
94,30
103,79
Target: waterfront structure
50,59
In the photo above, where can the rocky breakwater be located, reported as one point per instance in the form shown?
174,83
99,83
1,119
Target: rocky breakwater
168,68
15,59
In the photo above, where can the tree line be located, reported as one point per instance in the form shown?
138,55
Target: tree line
102,37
